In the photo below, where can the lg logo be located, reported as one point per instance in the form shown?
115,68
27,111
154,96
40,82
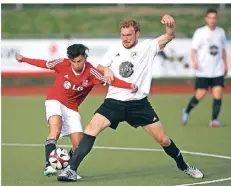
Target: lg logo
80,88
67,85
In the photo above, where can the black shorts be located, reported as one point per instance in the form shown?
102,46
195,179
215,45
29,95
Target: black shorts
136,112
205,83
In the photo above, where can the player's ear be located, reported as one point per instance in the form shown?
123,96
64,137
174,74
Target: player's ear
137,34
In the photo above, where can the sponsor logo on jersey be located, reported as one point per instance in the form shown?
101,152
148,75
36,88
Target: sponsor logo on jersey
79,88
126,69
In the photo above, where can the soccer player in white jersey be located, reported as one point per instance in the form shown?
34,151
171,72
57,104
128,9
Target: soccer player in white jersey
208,55
132,61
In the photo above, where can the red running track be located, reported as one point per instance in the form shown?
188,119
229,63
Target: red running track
155,89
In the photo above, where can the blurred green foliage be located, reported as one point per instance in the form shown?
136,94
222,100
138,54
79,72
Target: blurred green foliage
102,20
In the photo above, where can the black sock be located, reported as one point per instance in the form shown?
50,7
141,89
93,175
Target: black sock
50,145
216,108
83,149
192,103
174,153
71,152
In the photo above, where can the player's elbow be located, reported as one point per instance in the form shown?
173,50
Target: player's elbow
171,36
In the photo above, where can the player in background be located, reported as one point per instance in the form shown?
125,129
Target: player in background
75,77
208,55
132,61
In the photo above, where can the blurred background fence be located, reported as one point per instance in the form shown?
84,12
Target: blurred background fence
45,30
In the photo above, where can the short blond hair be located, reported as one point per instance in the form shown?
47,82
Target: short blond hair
130,22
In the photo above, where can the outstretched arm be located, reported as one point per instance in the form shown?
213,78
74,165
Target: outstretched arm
36,62
99,79
170,28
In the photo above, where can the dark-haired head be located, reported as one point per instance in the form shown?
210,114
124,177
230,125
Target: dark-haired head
77,53
211,18
211,10
77,50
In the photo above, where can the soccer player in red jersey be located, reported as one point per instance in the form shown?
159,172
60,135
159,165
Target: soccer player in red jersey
75,78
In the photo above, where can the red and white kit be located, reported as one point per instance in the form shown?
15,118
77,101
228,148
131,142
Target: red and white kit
69,90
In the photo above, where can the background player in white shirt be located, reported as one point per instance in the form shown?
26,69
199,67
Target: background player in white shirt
132,61
209,60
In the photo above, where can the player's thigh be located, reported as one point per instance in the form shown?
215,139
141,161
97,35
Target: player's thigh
71,122
75,138
201,87
156,130
217,85
54,117
97,124
112,110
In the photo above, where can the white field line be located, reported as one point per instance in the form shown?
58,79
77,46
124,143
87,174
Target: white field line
141,149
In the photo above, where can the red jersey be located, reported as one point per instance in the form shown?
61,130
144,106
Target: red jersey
71,88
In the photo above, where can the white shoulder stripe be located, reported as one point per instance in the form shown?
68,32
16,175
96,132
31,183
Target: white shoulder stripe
51,64
97,74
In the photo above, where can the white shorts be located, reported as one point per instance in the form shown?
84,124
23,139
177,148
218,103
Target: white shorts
71,120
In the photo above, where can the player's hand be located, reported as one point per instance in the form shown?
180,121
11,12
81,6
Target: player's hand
108,75
168,20
226,69
19,57
134,88
195,66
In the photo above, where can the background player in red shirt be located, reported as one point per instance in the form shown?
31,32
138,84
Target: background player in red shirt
75,77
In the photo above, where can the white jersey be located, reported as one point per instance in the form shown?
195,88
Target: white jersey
209,45
134,65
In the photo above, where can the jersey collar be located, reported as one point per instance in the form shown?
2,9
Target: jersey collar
210,29
77,74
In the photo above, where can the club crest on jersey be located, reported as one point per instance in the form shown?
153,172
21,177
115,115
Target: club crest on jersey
133,54
85,82
213,50
67,85
126,69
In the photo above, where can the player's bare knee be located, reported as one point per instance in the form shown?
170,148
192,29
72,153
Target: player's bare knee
164,140
217,92
217,96
93,128
200,94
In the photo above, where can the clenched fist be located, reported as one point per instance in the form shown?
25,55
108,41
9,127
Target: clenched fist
134,88
168,20
19,57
